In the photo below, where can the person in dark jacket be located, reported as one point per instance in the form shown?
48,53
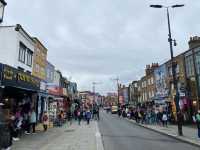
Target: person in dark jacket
79,115
5,131
180,120
88,116
198,122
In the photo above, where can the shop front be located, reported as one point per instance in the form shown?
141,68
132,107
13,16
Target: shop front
18,90
42,101
55,101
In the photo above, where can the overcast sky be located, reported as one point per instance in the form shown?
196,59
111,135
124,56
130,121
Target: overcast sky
96,40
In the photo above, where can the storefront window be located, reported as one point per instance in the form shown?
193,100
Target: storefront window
22,52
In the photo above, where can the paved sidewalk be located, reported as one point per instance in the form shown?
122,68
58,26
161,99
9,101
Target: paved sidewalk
68,137
189,134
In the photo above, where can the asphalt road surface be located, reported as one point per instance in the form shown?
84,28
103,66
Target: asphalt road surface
120,134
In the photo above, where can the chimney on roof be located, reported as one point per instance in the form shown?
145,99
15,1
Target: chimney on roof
18,27
194,42
150,68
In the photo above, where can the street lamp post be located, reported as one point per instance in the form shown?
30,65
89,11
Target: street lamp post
173,63
118,104
94,96
2,6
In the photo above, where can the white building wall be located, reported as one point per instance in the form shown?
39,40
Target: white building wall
9,47
56,80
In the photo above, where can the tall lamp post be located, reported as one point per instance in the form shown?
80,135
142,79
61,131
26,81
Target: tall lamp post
94,84
173,63
2,6
117,81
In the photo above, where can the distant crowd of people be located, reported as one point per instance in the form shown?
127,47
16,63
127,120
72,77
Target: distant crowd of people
161,117
146,116
78,113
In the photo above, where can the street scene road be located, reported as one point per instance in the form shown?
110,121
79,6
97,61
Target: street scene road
120,134
94,75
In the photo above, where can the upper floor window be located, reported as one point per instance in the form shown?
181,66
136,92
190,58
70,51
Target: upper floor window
29,57
25,55
189,65
22,52
37,68
197,61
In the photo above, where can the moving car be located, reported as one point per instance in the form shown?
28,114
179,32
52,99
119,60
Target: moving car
114,109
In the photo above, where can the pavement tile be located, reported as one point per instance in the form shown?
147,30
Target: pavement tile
72,137
190,134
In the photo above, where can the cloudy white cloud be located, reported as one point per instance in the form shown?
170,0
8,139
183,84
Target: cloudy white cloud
95,40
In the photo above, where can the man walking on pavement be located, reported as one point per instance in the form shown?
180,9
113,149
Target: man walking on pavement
33,120
88,116
79,115
180,120
45,120
198,122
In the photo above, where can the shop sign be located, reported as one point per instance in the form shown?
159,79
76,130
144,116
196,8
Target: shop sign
17,78
43,86
53,89
64,91
182,94
160,81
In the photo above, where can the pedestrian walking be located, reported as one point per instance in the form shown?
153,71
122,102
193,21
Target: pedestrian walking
88,116
26,123
180,120
5,132
69,116
33,120
198,122
164,119
14,127
79,115
119,112
45,120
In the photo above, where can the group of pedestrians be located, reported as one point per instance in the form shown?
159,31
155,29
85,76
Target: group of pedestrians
147,116
81,113
161,117
85,114
17,123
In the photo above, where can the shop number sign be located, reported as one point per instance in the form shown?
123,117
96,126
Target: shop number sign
14,77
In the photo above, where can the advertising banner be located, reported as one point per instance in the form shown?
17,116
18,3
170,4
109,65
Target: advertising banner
53,89
125,95
162,90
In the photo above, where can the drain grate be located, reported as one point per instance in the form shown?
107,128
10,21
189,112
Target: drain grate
70,130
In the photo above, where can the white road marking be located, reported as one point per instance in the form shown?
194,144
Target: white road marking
98,138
